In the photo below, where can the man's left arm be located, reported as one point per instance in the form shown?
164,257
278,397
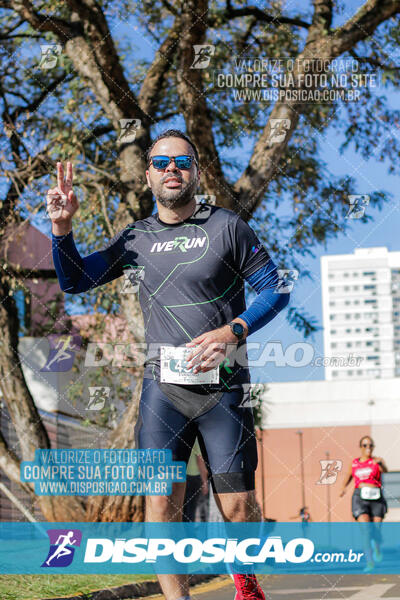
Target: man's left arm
252,262
268,303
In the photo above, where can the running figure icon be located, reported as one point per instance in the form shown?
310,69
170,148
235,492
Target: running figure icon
62,549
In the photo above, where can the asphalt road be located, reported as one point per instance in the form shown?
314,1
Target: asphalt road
310,587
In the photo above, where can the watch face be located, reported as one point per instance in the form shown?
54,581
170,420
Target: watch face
238,329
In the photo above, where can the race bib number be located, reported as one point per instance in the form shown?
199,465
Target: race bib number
370,493
174,368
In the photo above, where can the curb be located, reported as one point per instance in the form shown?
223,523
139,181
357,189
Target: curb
130,590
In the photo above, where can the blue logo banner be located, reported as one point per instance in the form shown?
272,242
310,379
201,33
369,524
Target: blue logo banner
199,548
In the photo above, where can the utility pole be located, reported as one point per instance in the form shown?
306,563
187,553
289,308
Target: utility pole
328,491
303,491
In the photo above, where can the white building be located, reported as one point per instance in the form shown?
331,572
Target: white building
361,313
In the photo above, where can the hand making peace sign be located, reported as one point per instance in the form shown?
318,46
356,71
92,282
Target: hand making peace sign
62,203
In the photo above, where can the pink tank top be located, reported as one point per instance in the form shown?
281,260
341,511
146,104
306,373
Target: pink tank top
366,472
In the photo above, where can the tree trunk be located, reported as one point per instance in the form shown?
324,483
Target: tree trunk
28,425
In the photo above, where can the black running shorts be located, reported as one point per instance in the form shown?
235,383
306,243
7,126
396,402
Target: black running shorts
373,508
225,431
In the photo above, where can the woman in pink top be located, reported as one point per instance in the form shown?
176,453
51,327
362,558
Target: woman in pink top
368,503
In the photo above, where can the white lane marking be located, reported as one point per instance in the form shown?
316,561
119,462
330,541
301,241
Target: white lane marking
373,591
333,588
351,598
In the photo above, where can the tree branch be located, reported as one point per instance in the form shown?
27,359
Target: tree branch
374,62
192,99
152,86
253,11
21,35
63,30
322,16
103,50
321,43
36,102
362,24
27,273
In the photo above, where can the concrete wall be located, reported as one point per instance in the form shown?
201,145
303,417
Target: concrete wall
279,457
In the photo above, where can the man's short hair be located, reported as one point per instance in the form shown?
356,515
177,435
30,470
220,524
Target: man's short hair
172,133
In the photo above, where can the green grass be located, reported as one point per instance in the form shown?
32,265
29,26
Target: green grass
35,587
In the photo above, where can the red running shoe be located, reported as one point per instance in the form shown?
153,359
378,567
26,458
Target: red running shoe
247,587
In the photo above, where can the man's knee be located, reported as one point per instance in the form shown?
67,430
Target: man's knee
240,506
160,507
157,504
237,509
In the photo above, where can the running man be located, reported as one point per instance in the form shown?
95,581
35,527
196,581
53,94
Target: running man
194,259
62,549
368,503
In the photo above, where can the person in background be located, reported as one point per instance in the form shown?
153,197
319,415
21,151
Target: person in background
304,517
368,504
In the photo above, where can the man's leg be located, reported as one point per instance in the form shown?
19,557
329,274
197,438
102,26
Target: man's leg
228,444
239,506
164,509
159,425
242,507
192,496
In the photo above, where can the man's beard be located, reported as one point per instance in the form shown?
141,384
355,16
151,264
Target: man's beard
176,200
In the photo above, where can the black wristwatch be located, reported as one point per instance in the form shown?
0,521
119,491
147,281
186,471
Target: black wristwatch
237,329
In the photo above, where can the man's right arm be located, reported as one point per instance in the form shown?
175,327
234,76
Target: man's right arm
75,274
